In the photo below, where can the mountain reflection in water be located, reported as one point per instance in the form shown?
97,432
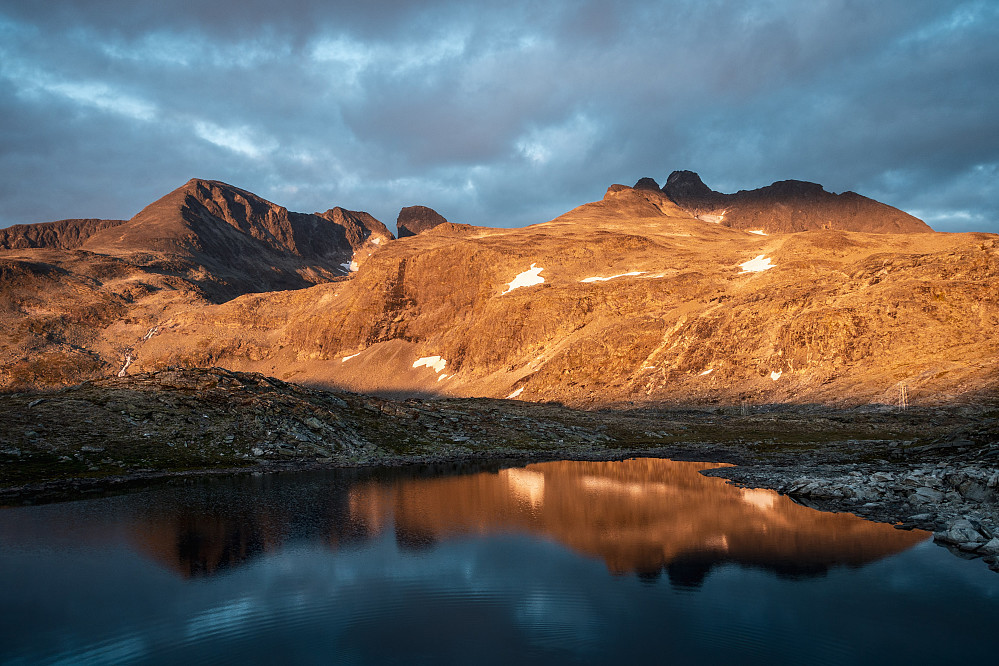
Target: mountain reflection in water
644,516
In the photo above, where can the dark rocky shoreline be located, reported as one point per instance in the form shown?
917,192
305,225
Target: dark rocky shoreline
932,468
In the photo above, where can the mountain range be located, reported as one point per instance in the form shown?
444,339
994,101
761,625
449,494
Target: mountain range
653,295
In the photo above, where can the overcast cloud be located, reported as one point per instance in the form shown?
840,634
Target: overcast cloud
495,115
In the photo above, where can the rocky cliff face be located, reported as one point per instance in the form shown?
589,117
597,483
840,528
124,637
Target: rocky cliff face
76,295
634,299
243,242
416,219
629,300
788,206
59,235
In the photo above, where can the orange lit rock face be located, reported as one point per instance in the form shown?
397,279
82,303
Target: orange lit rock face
682,295
631,299
76,296
642,516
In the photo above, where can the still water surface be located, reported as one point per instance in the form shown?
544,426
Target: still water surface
597,562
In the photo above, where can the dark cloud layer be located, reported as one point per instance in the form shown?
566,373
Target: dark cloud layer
496,114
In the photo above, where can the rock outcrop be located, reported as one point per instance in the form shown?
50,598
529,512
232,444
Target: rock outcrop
788,206
416,219
647,184
59,235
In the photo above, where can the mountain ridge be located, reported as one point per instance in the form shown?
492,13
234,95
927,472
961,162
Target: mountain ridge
632,299
787,206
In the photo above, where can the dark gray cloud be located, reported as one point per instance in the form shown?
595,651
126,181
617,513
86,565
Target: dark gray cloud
496,115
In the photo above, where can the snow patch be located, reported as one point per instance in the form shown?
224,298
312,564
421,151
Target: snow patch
124,368
434,362
775,374
605,279
707,372
347,358
377,240
757,264
758,232
442,377
713,218
515,393
352,266
759,498
528,278
151,332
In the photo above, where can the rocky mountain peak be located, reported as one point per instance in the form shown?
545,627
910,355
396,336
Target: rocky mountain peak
686,184
646,184
793,188
415,219
788,206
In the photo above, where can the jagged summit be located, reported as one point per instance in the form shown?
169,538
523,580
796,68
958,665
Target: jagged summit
646,184
243,241
415,219
788,206
793,188
686,185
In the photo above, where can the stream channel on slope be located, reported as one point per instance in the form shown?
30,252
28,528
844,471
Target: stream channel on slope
560,561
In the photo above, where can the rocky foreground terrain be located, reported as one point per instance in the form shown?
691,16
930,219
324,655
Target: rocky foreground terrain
927,468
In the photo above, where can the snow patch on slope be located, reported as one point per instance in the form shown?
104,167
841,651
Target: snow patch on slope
715,218
528,278
758,232
612,277
515,393
756,265
434,362
775,374
347,358
124,368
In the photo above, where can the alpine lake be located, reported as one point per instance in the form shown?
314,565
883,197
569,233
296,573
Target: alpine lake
633,561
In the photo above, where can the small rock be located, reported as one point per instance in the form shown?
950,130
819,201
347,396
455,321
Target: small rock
257,451
990,548
926,495
963,532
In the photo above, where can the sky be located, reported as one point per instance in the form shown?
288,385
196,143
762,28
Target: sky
496,114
